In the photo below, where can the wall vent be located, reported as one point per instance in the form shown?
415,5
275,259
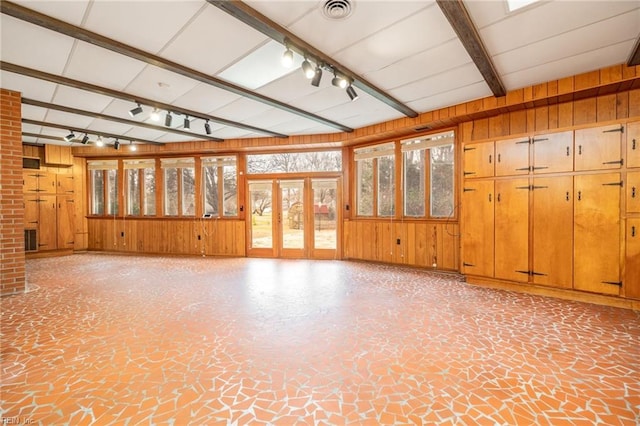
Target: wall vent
30,240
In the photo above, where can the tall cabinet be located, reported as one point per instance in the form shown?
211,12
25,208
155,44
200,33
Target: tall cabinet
564,210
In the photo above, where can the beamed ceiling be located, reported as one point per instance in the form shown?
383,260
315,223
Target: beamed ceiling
82,65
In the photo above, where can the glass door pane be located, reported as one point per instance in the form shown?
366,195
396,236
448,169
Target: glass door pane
324,213
260,195
292,213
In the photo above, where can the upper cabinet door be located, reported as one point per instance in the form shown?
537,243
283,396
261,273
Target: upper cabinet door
479,160
633,144
553,153
598,148
633,192
512,157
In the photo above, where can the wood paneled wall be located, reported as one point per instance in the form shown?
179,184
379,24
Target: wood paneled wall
168,236
425,244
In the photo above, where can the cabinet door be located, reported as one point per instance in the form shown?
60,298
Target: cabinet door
31,209
633,144
512,230
65,217
47,235
64,184
47,183
512,157
553,153
633,192
552,219
30,180
477,228
598,148
596,233
632,268
478,160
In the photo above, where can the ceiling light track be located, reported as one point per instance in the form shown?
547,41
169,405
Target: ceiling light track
53,24
33,102
41,75
258,21
88,131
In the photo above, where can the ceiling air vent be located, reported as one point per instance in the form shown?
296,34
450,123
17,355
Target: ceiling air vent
337,9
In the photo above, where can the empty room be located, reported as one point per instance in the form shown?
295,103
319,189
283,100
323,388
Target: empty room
320,212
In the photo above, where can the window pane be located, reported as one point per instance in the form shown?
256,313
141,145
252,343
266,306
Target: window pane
386,186
365,187
171,191
230,190
442,181
133,192
149,192
97,184
414,183
289,162
210,176
112,191
188,191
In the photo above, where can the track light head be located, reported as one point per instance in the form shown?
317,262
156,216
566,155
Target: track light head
317,76
207,128
167,119
307,68
135,111
155,115
71,136
132,146
187,123
352,93
100,142
339,81
85,139
116,145
287,58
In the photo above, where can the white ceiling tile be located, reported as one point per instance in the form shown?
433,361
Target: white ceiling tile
160,85
212,42
80,99
168,137
233,133
110,127
326,97
33,112
38,48
302,126
72,120
241,109
568,66
29,87
67,11
148,134
205,98
32,128
269,118
484,13
102,67
293,86
452,97
283,12
148,26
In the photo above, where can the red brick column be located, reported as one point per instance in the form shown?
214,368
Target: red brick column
12,263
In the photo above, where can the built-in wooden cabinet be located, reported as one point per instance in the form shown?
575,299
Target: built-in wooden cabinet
552,216
478,231
633,192
65,217
632,263
596,230
512,229
47,223
598,148
553,153
512,157
479,160
633,145
57,155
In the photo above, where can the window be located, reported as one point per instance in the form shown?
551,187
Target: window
438,152
375,187
104,187
291,162
179,186
216,170
140,178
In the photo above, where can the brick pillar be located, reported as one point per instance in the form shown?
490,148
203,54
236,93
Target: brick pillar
12,263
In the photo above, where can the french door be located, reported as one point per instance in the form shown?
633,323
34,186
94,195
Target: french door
293,218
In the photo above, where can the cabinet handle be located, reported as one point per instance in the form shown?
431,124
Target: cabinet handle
498,199
489,197
633,144
498,158
579,149
633,231
567,196
490,158
579,195
633,192
568,151
618,283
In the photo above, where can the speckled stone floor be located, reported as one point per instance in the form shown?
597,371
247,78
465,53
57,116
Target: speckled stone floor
155,340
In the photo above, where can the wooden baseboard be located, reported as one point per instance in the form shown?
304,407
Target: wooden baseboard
48,253
559,293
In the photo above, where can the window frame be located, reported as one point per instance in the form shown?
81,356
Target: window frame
104,167
179,164
375,153
219,162
140,166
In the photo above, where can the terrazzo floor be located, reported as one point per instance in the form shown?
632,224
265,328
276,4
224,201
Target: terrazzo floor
117,340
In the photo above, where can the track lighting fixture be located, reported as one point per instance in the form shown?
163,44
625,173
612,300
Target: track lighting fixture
135,111
187,123
338,81
207,128
71,136
155,115
116,145
317,76
287,57
167,119
132,146
352,93
85,139
100,142
308,70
